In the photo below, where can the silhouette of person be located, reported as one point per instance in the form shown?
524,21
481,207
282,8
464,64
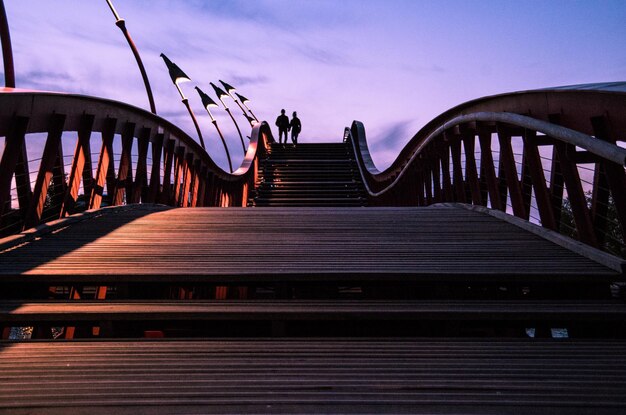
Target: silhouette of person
295,126
282,122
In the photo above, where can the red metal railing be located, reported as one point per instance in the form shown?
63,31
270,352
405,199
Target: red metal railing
548,156
157,162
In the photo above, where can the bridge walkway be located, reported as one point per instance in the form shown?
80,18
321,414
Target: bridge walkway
446,309
309,175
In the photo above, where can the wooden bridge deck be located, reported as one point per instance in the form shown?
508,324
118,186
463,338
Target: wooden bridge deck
152,243
314,376
413,352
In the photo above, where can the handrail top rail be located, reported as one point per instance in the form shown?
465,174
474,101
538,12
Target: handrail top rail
603,149
482,104
160,123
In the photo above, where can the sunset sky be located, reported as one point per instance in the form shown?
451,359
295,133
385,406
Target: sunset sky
392,64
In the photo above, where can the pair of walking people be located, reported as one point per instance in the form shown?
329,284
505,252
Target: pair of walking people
284,126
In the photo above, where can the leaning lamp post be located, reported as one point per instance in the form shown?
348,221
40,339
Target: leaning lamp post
231,90
207,102
221,95
178,76
119,22
243,101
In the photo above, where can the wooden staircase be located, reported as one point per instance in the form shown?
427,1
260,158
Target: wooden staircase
309,175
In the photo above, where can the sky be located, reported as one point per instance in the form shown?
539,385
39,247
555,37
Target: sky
392,64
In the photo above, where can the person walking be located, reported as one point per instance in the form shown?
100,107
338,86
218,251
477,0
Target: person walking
282,122
295,126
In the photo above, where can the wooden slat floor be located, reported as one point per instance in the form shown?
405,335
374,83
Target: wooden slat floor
314,376
288,310
155,243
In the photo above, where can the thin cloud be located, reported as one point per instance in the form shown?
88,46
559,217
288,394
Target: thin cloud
392,135
242,80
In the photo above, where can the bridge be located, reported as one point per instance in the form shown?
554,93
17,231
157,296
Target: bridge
483,272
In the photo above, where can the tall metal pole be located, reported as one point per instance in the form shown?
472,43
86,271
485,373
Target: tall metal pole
243,101
193,118
208,102
243,145
122,25
230,164
177,75
220,95
230,90
7,50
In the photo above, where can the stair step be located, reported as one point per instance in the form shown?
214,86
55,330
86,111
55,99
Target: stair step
309,175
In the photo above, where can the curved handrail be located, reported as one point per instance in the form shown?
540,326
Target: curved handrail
544,104
578,124
603,149
197,179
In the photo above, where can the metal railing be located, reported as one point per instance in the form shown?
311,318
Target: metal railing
551,157
155,162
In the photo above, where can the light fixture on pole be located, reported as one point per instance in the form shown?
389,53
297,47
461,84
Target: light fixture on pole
178,76
221,95
243,101
231,90
207,102
119,22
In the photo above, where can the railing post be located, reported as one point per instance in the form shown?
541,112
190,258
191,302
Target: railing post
575,194
535,169
187,179
179,172
14,145
526,181
510,172
457,168
168,161
487,166
155,175
108,132
140,185
123,184
470,167
445,171
46,171
615,175
436,172
81,166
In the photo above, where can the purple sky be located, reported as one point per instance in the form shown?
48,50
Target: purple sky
392,64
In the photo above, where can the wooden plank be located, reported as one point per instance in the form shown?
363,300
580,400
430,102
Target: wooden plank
20,312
